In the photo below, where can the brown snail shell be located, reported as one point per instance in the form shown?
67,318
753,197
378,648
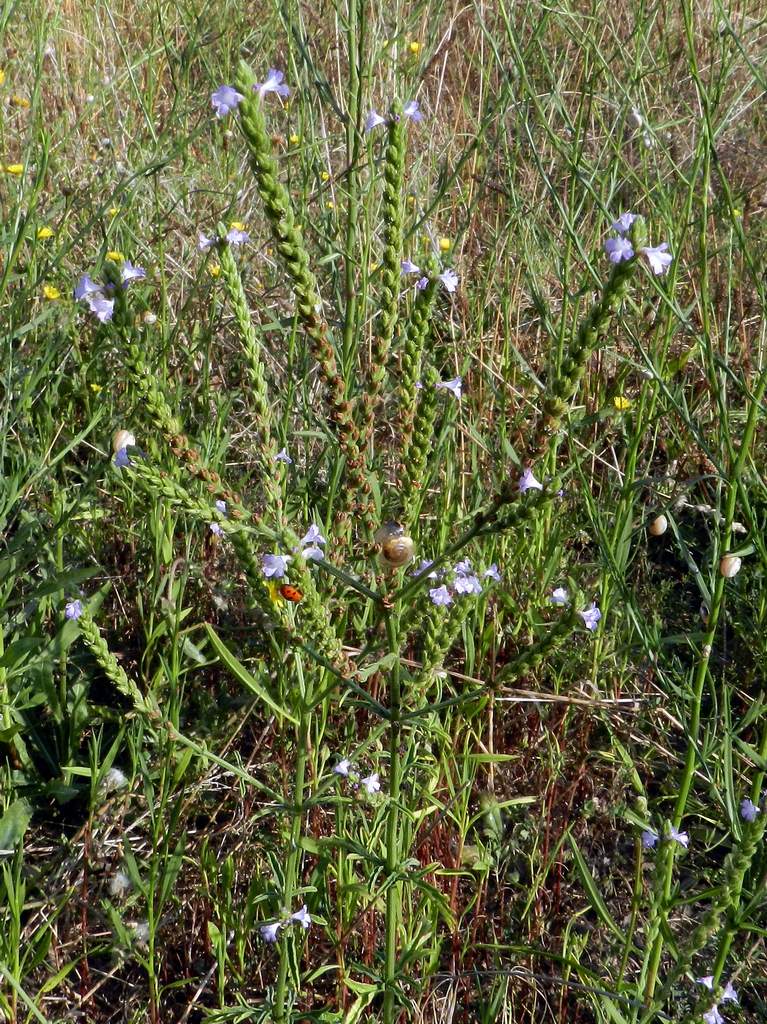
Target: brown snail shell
730,566
658,526
397,549
122,439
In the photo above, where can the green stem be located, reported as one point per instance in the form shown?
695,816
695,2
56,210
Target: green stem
393,892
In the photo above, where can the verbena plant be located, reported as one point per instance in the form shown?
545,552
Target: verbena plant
362,574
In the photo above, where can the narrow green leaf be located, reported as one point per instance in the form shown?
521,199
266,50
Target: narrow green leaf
242,675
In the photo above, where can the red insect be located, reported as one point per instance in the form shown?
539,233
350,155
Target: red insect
291,593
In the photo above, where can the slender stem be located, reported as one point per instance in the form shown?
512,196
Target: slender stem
393,893
354,35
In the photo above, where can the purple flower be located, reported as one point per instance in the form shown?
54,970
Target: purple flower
282,456
492,572
650,839
373,120
623,224
130,273
528,481
729,995
221,506
560,596
274,82
748,810
441,596
411,110
275,566
707,982
205,242
102,307
313,536
453,385
422,284
658,258
463,568
713,1016
215,528
86,286
372,783
467,585
236,236
122,459
270,932
591,617
73,609
678,837
421,569
225,99
313,553
449,279
342,768
618,249
302,917
408,267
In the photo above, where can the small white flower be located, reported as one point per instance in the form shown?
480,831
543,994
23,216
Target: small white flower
342,768
467,585
372,784
313,553
449,280
560,596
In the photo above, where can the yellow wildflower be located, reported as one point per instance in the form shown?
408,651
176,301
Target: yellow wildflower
736,212
274,592
19,101
214,269
411,200
95,388
51,292
295,139
43,233
330,204
113,211
2,76
325,176
14,168
415,47
115,256
621,403
444,244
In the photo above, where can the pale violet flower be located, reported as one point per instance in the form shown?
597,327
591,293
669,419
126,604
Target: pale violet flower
421,569
492,572
313,553
86,286
560,596
650,839
591,617
467,585
707,982
449,279
658,257
122,459
618,249
237,236
73,609
221,506
282,456
270,932
463,567
373,120
342,768
441,596
313,536
527,482
302,917
623,223
748,810
225,99
412,111
408,267
129,272
678,837
205,242
215,528
422,284
372,784
453,385
102,307
729,995
275,566
713,1016
274,82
